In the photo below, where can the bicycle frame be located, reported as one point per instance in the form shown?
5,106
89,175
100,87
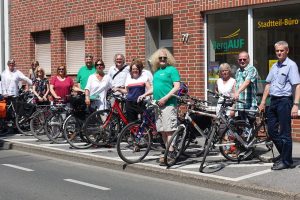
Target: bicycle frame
115,107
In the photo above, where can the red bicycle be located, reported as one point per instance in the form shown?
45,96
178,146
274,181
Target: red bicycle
136,139
102,127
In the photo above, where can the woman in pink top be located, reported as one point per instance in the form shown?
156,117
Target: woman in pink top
61,85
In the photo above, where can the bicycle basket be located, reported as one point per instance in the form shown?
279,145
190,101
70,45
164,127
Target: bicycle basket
24,108
77,102
2,109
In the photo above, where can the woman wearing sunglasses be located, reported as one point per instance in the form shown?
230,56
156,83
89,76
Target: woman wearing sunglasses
61,84
97,86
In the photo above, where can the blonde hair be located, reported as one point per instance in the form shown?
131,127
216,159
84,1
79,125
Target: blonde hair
224,66
40,69
154,59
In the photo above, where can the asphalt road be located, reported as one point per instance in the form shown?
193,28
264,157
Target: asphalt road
28,177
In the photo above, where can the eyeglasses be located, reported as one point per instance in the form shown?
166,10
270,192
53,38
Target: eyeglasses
162,58
61,69
242,59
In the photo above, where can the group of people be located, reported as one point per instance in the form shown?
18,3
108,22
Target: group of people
137,83
282,78
132,80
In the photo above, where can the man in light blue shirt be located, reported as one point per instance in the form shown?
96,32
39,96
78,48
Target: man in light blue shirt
283,76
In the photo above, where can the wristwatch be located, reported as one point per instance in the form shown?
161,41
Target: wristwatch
296,104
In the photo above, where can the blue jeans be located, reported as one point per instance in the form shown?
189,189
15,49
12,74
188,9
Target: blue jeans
279,126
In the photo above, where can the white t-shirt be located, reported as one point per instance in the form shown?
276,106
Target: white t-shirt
226,89
120,78
98,90
10,82
136,87
149,75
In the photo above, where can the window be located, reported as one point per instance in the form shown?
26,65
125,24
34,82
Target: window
113,42
271,25
227,35
43,50
75,49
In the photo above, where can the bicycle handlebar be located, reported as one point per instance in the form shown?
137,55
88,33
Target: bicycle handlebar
217,96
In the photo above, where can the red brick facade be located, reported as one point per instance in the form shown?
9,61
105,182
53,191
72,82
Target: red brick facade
27,17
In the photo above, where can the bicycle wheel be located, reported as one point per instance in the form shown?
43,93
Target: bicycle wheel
177,144
73,133
194,145
231,148
207,147
96,133
265,149
37,124
134,143
54,128
23,124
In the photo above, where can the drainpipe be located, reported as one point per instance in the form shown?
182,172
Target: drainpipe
4,33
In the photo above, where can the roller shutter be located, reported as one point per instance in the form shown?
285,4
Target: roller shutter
113,41
43,50
75,49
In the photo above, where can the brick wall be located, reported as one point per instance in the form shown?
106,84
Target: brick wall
28,17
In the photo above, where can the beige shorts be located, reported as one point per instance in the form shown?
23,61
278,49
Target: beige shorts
166,119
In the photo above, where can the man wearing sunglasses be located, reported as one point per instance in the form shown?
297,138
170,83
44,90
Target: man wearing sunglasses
246,84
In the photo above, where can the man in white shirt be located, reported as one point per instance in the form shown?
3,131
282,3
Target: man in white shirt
119,71
10,79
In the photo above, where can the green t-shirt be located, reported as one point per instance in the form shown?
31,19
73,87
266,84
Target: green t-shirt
163,80
83,75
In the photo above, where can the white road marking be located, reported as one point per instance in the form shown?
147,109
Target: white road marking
253,174
157,166
95,150
87,184
55,145
18,167
251,165
24,139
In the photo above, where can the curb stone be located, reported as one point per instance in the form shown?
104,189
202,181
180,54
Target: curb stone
163,173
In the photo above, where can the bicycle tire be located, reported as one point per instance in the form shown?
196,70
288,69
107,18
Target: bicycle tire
54,128
73,133
177,143
94,131
264,149
207,147
37,124
134,144
231,148
23,124
194,147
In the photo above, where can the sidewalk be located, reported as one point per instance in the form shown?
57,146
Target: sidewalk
251,178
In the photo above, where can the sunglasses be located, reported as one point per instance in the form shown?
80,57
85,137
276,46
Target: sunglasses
162,58
39,71
99,65
242,59
61,69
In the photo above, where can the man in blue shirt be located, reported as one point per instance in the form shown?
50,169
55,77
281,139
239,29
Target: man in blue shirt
283,76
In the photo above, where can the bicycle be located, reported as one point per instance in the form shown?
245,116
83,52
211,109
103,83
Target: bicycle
18,113
103,126
74,123
188,130
135,140
54,122
239,140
